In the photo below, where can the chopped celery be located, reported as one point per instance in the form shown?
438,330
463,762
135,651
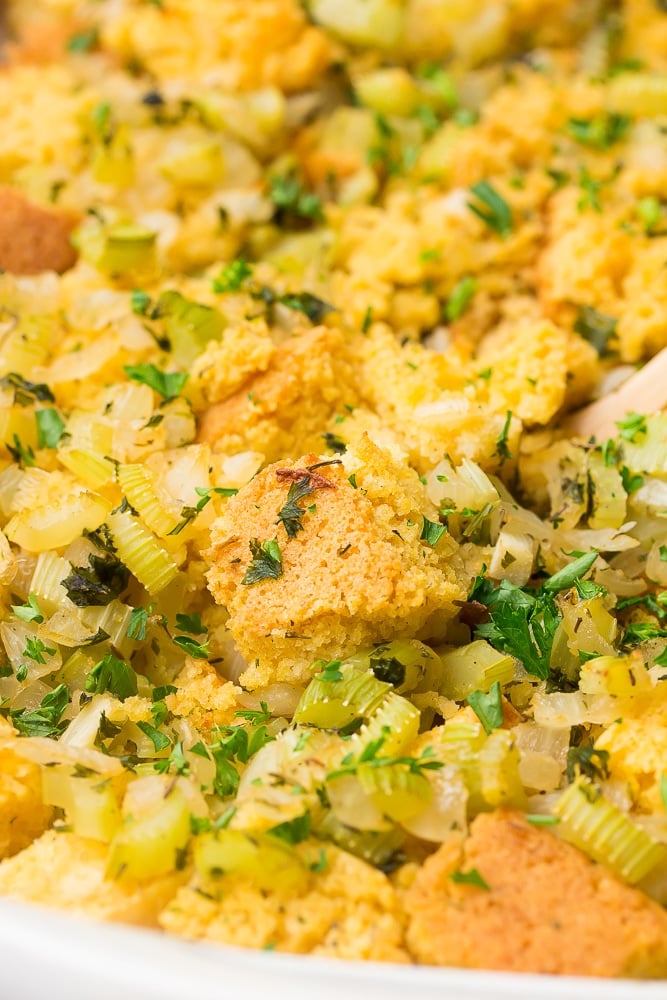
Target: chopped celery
389,91
114,619
89,801
265,860
620,676
188,325
648,454
113,162
119,248
50,570
595,826
92,469
197,165
406,664
56,525
153,845
499,771
608,497
589,626
138,485
362,22
141,553
334,704
393,726
398,793
474,667
375,847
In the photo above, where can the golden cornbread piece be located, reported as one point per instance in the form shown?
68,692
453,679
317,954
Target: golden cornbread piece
347,909
547,909
285,409
33,239
23,815
67,872
203,697
357,572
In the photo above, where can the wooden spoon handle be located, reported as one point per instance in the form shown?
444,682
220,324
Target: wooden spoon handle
644,392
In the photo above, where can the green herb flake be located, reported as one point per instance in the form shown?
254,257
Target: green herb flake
26,393
50,428
330,672
570,574
232,277
113,675
663,790
488,707
45,720
266,562
29,612
586,760
502,448
35,649
84,41
293,831
491,208
649,211
138,624
600,132
140,302
190,646
290,514
631,482
310,305
159,740
632,426
167,384
471,877
460,298
432,531
595,327
539,819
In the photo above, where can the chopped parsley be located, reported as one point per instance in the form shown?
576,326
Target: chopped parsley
600,132
649,211
292,831
138,624
334,443
159,740
97,584
189,645
471,877
310,305
45,720
633,425
570,574
586,760
167,384
114,675
502,448
631,482
290,514
26,393
84,41
432,531
294,205
189,513
50,428
488,707
266,562
232,277
190,623
29,612
595,327
140,302
35,649
330,672
491,208
460,298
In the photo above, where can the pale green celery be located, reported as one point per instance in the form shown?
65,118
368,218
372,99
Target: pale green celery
153,845
334,704
262,858
474,667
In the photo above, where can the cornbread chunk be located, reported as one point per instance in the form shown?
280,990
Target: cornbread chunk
64,871
347,909
284,410
203,697
547,909
355,573
23,815
33,239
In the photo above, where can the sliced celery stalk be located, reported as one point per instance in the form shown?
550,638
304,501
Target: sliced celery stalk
118,249
474,667
395,723
595,826
499,771
608,496
334,704
153,845
138,485
267,861
189,325
375,847
141,553
620,676
89,801
397,792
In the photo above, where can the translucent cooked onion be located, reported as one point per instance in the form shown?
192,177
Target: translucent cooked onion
41,750
447,809
573,708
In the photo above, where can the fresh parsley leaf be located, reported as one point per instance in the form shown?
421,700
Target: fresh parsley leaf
307,303
140,302
84,41
638,632
114,675
570,574
188,514
334,443
586,760
159,740
491,208
45,720
266,562
97,584
293,203
26,393
35,649
256,717
521,625
290,513
488,707
541,819
176,763
633,425
198,650
330,672
600,132
460,298
432,531
232,277
29,612
471,877
167,384
663,553
631,483
190,623
502,449
595,327
293,831
138,624
50,428
25,456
